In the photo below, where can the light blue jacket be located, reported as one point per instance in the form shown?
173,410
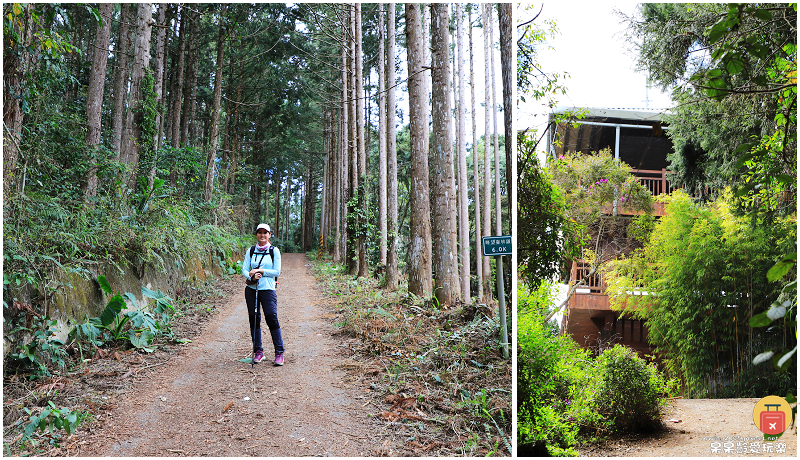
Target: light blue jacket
272,267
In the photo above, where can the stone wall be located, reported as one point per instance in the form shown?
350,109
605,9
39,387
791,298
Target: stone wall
86,298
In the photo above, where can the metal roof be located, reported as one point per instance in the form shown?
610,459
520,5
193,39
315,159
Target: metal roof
625,114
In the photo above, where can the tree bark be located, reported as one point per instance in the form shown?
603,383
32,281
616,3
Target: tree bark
276,230
121,77
363,268
498,211
94,97
345,247
463,212
190,78
308,220
445,255
288,203
17,68
506,60
392,258
419,257
382,171
158,85
426,59
132,137
352,213
177,87
487,193
475,166
211,158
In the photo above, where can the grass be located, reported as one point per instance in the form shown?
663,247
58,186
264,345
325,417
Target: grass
437,372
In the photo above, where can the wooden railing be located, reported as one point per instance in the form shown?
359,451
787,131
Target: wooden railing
594,283
654,180
657,183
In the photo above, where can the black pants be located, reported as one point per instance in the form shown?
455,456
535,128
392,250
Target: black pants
268,301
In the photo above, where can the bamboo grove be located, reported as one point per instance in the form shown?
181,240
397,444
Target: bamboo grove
240,113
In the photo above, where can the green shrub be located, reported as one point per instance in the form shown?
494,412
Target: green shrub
629,392
35,347
53,419
550,371
563,394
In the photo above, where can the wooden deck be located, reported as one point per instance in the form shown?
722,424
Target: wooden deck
591,322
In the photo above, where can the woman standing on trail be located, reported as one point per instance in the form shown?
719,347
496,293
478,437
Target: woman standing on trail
261,267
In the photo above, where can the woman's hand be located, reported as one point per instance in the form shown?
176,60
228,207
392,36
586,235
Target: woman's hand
256,273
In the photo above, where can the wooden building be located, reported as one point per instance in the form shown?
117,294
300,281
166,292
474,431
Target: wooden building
638,139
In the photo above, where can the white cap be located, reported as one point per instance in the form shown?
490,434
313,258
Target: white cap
264,226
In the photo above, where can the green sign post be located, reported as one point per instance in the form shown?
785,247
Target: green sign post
499,246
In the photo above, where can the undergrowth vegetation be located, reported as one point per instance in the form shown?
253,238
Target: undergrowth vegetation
51,389
50,239
437,371
566,396
47,241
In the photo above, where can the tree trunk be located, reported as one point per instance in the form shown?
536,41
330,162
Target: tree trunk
94,97
498,211
211,158
177,87
426,59
276,230
363,269
236,136
17,67
352,147
346,140
158,84
506,40
288,203
382,171
308,232
324,223
419,257
506,60
392,257
445,255
121,77
341,175
463,185
476,167
190,83
487,192
132,138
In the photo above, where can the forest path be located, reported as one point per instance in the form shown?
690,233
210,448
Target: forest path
693,425
196,404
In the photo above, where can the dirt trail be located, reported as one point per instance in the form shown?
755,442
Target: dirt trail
196,405
703,428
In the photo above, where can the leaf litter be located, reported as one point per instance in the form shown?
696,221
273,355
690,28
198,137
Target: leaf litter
433,374
91,384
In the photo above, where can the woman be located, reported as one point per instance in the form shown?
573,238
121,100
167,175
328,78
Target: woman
262,265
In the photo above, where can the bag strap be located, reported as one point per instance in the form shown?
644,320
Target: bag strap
252,250
271,256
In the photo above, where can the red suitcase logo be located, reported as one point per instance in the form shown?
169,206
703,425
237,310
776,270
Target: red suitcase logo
773,422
